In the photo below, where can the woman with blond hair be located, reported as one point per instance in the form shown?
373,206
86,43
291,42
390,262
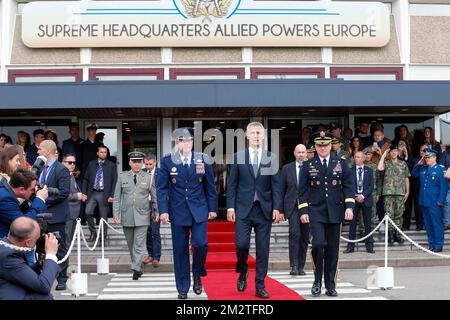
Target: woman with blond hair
22,158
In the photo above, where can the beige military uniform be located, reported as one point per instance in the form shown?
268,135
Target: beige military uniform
132,206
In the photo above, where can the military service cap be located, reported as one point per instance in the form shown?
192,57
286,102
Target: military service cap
184,133
310,149
136,155
367,150
322,138
334,125
430,153
337,140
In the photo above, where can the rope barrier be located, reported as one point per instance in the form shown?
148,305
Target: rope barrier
77,227
415,243
111,227
367,236
96,240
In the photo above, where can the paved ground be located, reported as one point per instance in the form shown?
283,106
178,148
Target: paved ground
429,283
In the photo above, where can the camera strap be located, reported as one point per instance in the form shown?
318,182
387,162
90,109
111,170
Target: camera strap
17,248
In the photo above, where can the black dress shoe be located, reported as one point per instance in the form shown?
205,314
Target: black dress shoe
331,293
419,228
348,250
370,251
437,250
302,272
294,271
198,285
262,293
242,281
61,286
137,275
182,296
316,289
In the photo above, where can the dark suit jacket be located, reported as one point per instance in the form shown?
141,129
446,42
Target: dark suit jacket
324,194
368,185
289,188
10,209
242,185
59,178
109,179
19,281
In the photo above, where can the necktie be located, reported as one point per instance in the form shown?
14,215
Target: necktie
360,185
324,161
299,173
135,179
44,177
255,162
98,177
186,164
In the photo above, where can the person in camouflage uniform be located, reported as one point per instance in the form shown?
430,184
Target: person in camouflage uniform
376,191
337,148
395,189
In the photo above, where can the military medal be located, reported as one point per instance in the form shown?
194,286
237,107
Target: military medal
174,169
199,167
334,182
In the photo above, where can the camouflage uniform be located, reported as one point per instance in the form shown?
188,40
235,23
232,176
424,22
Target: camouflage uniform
394,190
345,155
376,191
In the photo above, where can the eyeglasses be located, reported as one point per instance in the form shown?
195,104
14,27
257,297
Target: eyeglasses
423,150
70,162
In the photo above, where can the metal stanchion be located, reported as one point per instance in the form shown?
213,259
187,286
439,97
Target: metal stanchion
102,263
79,280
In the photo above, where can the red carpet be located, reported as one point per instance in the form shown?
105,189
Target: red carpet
220,283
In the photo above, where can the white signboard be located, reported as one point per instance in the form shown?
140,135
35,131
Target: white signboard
205,23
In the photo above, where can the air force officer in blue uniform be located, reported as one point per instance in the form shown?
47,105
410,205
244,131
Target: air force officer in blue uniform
187,198
326,198
433,192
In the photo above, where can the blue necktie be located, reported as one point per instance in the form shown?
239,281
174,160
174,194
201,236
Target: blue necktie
360,182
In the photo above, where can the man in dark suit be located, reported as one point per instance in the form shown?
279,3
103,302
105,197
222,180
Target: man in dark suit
32,150
254,201
187,195
98,185
326,198
18,280
89,147
298,232
73,146
363,181
56,176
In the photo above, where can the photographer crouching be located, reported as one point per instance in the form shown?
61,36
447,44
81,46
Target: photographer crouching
18,280
21,185
56,178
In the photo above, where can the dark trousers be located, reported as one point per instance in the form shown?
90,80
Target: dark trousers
154,240
415,187
262,228
199,241
325,251
62,250
298,241
367,219
380,208
96,200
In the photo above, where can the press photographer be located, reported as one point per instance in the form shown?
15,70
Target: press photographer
18,280
56,176
22,185
42,220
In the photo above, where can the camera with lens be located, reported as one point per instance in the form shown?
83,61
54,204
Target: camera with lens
42,220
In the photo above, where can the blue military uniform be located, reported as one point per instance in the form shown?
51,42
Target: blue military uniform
324,194
187,193
432,196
